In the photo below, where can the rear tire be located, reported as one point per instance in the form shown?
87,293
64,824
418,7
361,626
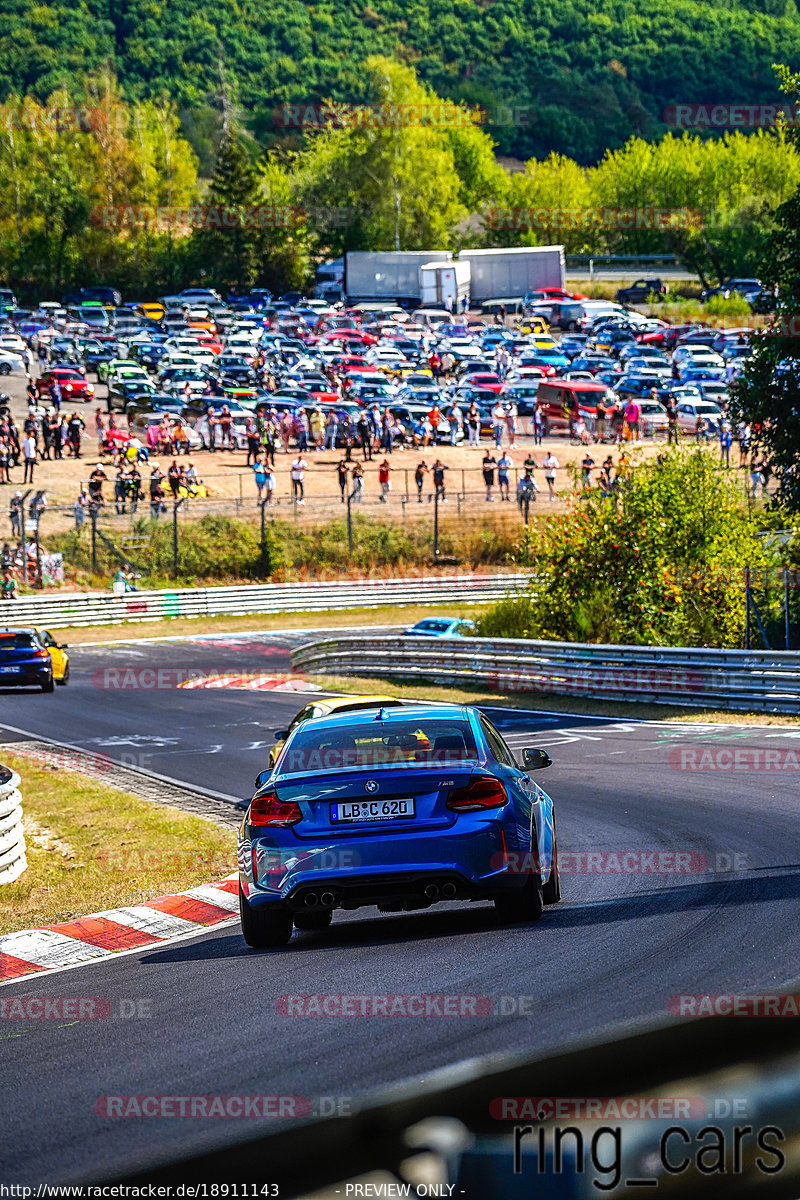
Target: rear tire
65,678
313,920
264,929
48,685
522,906
551,891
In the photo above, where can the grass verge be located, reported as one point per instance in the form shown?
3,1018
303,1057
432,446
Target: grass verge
91,846
574,705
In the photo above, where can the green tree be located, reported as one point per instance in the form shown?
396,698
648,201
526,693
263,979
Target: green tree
662,565
229,243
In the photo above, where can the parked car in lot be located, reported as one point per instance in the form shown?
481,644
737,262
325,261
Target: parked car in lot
426,801
73,383
690,410
640,291
564,401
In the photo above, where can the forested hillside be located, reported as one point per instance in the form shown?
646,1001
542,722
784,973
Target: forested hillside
587,75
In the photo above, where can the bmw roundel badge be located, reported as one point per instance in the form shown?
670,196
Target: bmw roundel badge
371,786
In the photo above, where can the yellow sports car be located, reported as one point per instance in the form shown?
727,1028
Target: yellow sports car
58,656
325,708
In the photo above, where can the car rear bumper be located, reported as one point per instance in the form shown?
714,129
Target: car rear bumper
388,872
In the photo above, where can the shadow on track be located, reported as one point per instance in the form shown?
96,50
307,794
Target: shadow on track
423,926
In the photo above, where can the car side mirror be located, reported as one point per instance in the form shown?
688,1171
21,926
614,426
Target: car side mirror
536,760
62,646
281,735
261,778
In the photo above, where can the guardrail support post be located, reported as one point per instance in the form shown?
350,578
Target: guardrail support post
786,630
93,518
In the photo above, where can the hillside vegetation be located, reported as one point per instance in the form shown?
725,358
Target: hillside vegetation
584,76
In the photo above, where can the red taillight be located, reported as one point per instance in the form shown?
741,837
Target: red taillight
267,809
481,793
41,654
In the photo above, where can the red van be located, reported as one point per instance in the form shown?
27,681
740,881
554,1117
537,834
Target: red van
562,401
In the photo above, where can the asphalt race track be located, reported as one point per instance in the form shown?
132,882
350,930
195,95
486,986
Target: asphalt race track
611,956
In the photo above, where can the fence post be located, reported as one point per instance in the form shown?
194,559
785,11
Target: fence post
266,558
786,631
436,522
747,608
93,519
175,543
350,523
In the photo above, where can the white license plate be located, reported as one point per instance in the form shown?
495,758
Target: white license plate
372,810
10,670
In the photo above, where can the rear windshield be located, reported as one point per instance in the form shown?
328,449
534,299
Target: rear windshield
17,641
414,742
434,626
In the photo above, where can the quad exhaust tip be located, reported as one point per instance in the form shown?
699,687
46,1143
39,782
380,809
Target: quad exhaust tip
327,899
448,891
432,891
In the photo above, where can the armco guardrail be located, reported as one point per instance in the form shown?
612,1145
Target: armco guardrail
743,680
94,608
12,838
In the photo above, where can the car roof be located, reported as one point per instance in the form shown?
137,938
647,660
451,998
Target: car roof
345,703
406,712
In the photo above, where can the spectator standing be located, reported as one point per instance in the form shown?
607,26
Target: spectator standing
297,470
75,428
504,465
383,479
499,424
725,441
673,429
260,477
438,480
420,472
29,453
512,414
550,466
474,425
120,490
253,444
358,484
489,464
341,475
15,515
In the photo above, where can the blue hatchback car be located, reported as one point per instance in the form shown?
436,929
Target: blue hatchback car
398,808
